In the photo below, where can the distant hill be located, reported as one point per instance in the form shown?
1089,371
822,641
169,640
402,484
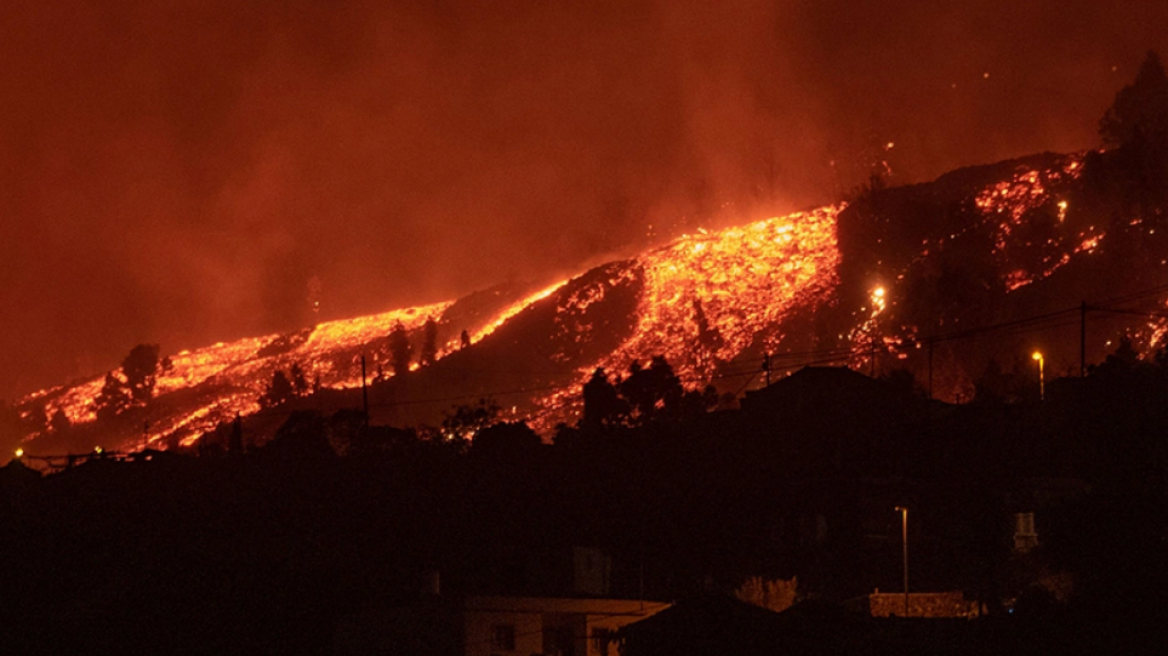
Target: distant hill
867,283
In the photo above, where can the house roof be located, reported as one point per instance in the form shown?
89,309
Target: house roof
725,626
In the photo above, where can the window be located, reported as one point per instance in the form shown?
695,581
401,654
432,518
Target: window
503,637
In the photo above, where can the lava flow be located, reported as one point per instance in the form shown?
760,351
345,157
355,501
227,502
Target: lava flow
706,297
702,301
228,378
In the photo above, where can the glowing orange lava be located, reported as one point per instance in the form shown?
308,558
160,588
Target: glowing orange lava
742,280
702,300
240,371
1008,205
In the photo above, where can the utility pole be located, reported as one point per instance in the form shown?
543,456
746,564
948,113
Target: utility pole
930,369
364,391
1083,339
235,440
766,367
904,542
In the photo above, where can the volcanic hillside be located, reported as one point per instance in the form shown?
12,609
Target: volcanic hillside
984,263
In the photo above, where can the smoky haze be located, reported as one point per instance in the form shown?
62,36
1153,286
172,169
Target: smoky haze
178,172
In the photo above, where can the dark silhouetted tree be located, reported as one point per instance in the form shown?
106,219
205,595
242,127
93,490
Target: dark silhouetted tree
60,422
464,339
279,391
141,370
465,421
400,349
998,386
904,381
1123,360
694,403
1136,127
651,391
1125,354
429,351
708,336
382,441
506,440
235,440
304,436
345,430
649,395
300,383
604,409
1140,110
113,398
212,443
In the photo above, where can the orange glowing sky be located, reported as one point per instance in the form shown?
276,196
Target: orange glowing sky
177,172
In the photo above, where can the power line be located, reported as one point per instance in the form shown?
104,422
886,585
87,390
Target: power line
1158,315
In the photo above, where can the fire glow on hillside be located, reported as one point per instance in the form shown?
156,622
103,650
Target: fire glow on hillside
707,297
702,300
1006,205
240,370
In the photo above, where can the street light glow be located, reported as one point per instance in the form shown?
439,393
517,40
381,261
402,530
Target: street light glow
1037,357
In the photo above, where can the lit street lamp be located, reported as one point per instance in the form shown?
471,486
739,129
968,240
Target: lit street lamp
904,542
1041,376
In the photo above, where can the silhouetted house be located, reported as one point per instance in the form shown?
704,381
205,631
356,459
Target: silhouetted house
705,626
833,421
718,625
853,399
16,474
493,626
848,449
542,625
723,626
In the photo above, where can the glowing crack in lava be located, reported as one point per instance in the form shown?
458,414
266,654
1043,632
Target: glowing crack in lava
1008,208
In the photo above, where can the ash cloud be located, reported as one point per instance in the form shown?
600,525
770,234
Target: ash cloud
178,172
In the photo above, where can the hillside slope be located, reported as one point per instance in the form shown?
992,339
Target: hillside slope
867,283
